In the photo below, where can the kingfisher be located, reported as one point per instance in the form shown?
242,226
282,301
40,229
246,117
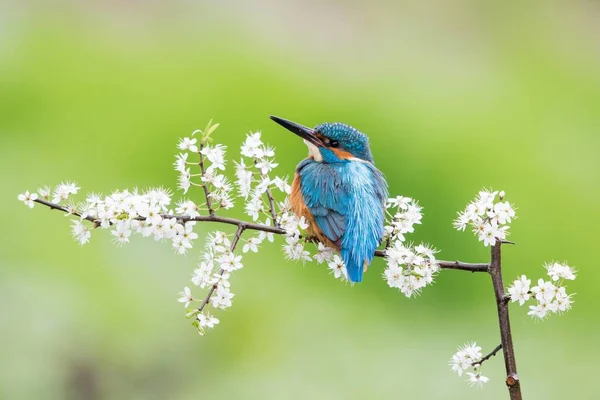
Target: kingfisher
340,192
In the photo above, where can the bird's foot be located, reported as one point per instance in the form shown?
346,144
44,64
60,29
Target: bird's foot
311,239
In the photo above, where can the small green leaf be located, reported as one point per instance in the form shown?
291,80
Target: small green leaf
211,129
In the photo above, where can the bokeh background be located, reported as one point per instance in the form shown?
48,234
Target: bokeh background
455,96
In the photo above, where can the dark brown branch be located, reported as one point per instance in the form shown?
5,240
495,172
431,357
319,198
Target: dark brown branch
512,379
228,221
464,266
234,242
205,184
487,357
459,265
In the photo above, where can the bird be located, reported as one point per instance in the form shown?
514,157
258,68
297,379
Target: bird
340,192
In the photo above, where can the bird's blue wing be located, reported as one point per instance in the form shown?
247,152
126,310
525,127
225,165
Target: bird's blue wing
347,202
326,198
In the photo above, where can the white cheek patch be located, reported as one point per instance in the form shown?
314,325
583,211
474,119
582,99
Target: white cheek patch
314,151
359,160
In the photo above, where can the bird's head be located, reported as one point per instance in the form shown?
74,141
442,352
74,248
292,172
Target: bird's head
331,142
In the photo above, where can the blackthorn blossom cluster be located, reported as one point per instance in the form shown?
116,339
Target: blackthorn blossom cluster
490,215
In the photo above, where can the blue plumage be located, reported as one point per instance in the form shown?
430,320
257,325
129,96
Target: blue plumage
340,192
346,199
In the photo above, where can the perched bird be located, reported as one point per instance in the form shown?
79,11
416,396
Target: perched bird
339,192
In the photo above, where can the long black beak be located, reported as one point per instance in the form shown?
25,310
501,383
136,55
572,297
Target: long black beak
302,131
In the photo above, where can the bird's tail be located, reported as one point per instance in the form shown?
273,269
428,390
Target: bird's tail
354,269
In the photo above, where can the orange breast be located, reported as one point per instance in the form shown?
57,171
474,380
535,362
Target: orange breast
301,210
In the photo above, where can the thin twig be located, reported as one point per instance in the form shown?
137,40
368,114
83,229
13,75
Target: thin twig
487,357
234,242
512,379
270,198
54,206
205,184
272,207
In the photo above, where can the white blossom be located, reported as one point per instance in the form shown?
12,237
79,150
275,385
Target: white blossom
184,180
540,310
562,301
324,254
186,297
270,236
263,152
294,249
263,185
80,232
216,156
549,296
544,291
63,191
282,185
28,198
121,233
519,291
160,196
489,219
44,192
243,179
338,268
205,320
410,269
218,181
221,298
230,262
203,274
251,145
400,202
407,215
476,379
254,207
180,162
464,358
188,144
560,271
251,245
187,207
293,225
184,236
265,165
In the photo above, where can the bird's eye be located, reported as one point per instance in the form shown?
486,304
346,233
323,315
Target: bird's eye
334,143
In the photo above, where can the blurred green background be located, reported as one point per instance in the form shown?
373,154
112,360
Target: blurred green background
454,95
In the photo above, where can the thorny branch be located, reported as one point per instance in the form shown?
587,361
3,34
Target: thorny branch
512,379
245,225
